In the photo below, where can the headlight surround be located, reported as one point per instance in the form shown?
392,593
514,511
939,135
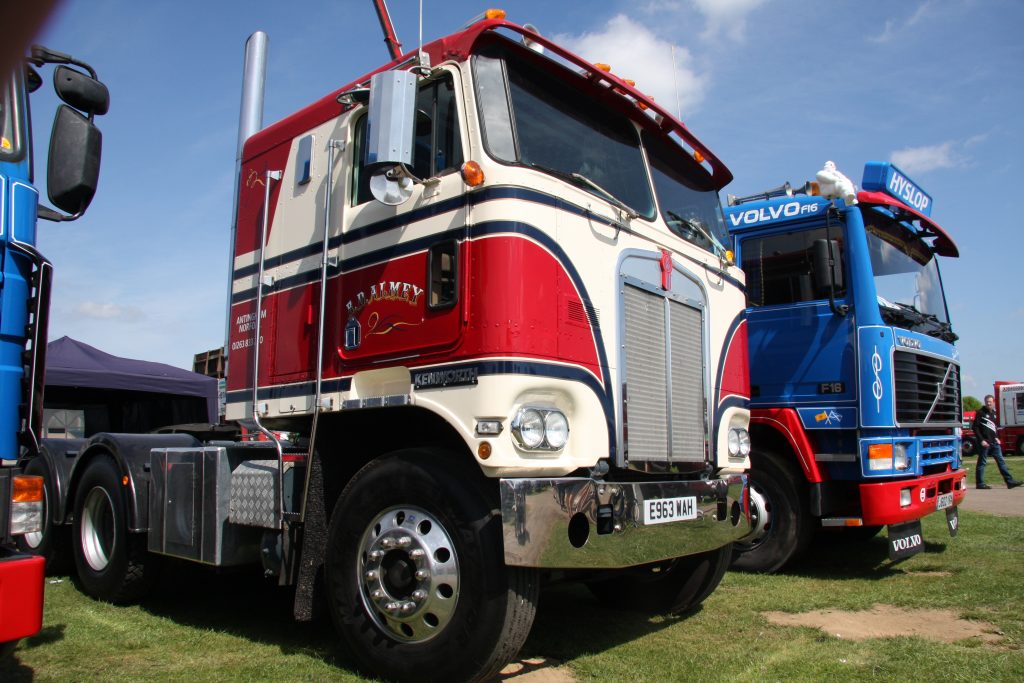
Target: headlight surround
540,429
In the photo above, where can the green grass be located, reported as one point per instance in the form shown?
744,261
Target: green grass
202,626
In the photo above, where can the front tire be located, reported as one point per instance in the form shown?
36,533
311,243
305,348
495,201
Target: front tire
52,541
672,587
968,448
415,572
782,521
112,564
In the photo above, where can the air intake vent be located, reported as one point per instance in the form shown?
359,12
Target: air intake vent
927,391
664,377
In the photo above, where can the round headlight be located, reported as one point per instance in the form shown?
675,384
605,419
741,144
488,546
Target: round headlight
734,442
531,428
744,442
556,429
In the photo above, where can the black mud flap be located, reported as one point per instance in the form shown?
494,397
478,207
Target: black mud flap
905,540
952,521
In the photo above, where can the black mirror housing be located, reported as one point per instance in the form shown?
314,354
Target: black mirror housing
81,91
826,278
74,162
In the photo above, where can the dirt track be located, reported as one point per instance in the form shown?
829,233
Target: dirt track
996,501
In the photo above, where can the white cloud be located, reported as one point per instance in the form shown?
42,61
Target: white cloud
726,17
109,311
893,28
929,158
635,52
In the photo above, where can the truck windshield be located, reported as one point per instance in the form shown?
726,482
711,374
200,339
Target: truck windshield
907,280
538,118
687,199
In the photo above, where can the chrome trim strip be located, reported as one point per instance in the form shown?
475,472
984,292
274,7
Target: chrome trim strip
538,516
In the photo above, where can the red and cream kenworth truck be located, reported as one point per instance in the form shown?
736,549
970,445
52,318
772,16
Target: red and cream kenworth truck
485,290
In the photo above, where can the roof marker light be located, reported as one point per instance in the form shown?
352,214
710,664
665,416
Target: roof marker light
486,15
601,66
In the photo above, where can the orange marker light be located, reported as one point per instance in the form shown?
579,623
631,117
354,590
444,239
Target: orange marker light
27,488
629,81
494,14
880,456
124,480
698,157
601,66
484,450
472,174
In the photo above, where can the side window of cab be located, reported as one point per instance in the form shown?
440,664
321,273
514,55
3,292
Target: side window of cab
437,142
780,269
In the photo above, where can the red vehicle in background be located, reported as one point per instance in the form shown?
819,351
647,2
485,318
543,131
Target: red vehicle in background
1010,409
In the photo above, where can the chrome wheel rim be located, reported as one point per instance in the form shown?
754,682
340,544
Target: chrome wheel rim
408,573
760,518
97,529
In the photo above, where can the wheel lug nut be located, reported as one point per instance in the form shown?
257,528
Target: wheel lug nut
371,575
404,541
408,606
419,595
422,575
416,554
387,543
391,607
377,594
376,555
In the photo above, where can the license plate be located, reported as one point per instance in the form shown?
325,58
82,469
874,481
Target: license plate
666,510
943,501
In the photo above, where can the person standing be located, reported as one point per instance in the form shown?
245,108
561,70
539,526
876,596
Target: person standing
988,444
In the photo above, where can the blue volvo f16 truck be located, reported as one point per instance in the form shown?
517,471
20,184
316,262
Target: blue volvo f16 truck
855,379
72,175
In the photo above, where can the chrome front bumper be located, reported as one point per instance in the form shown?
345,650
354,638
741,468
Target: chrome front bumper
587,524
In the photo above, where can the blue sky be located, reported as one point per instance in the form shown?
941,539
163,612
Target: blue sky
774,87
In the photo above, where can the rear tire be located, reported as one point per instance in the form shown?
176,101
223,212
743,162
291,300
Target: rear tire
112,564
782,520
415,572
968,448
52,541
672,587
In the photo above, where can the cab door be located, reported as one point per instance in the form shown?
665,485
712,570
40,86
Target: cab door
800,350
402,267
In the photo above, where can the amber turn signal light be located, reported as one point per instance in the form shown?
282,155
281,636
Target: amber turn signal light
472,174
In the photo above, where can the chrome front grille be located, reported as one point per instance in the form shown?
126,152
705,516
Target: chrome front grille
927,390
664,396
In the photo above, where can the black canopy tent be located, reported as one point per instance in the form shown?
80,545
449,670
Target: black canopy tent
117,394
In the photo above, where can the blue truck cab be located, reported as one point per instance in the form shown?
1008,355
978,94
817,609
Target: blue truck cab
855,378
25,275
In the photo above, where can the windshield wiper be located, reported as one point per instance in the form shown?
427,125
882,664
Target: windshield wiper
578,180
909,315
694,224
622,206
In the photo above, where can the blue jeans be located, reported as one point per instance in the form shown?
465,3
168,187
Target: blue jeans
996,452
